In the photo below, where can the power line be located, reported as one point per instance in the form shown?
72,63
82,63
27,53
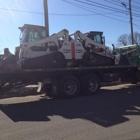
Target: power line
53,13
103,6
131,19
50,13
136,19
85,8
96,12
125,17
136,10
20,11
65,14
136,7
75,14
136,26
116,3
113,2
80,6
136,2
108,6
116,15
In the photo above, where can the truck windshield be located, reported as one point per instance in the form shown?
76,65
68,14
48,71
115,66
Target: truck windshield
31,34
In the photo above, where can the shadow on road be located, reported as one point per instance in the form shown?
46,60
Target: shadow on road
108,108
20,92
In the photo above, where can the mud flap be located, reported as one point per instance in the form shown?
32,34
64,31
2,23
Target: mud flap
9,63
40,85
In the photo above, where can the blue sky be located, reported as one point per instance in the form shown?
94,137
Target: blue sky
63,14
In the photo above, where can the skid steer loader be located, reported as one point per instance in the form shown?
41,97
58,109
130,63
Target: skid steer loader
61,49
36,51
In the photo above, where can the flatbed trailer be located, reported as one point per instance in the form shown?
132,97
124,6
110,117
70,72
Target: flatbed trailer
69,82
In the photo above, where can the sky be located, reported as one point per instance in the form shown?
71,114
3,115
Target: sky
108,16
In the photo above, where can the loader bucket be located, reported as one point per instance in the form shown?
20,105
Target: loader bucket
9,63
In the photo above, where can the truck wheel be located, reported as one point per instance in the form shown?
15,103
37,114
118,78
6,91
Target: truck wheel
90,84
69,87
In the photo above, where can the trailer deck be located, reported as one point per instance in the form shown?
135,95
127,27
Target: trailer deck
35,76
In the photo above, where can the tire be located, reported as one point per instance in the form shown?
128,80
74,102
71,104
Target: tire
56,60
69,87
90,84
50,91
134,81
47,89
60,59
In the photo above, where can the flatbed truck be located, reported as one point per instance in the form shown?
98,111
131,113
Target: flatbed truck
69,82
67,64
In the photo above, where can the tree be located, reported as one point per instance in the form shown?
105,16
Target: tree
125,39
137,38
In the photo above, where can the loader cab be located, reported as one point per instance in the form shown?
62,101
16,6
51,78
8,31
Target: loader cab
30,33
1,56
96,36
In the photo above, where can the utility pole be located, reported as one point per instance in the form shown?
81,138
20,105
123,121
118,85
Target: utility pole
131,22
46,17
131,19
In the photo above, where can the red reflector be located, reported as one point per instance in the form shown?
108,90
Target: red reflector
73,50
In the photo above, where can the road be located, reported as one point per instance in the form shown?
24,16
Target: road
113,114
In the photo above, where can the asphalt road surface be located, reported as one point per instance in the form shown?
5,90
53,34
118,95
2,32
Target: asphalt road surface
113,114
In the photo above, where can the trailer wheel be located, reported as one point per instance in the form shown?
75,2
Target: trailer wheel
90,84
50,90
134,81
69,87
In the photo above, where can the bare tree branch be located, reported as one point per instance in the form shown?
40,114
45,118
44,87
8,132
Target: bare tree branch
125,39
